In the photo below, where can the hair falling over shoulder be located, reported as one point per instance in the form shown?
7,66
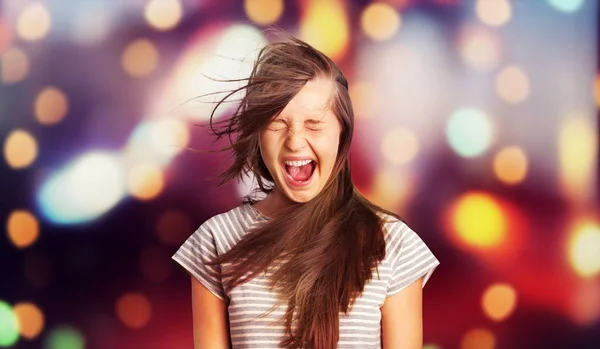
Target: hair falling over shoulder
325,249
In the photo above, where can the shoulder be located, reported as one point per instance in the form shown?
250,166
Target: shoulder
227,228
237,217
393,226
401,240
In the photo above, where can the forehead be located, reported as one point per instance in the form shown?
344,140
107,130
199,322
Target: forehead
313,100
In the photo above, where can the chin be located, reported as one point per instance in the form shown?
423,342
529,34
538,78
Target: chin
300,198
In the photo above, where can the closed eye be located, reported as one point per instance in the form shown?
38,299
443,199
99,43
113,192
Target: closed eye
314,125
277,125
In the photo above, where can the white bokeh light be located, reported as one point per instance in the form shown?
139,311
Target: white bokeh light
469,132
83,191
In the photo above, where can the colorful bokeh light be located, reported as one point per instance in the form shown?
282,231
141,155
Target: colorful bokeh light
86,189
264,12
9,329
499,301
23,228
325,25
494,13
30,319
65,337
511,165
567,6
51,106
134,310
469,132
380,21
34,22
583,249
479,220
15,66
20,149
163,15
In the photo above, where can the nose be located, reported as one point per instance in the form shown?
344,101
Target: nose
295,138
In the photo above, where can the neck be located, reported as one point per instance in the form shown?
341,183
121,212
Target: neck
275,201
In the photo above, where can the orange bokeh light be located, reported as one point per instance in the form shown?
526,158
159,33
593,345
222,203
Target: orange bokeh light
134,310
30,319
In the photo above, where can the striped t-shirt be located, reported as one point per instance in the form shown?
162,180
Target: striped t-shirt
255,314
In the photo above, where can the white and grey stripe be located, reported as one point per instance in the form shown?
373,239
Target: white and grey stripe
255,311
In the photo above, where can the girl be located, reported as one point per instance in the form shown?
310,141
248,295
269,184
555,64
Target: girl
314,264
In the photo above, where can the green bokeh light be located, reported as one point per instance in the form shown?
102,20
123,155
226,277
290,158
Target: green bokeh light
64,337
568,6
9,330
469,132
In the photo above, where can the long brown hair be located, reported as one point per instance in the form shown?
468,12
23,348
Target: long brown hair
325,249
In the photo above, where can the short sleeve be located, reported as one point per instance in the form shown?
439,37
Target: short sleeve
410,258
193,256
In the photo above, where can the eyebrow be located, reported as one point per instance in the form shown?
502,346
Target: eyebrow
308,121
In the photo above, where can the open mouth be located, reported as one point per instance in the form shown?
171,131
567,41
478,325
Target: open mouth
299,172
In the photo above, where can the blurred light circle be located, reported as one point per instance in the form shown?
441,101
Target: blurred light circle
65,337
218,51
499,301
264,12
93,25
133,309
578,154
155,263
469,132
87,188
140,58
479,49
479,220
163,14
173,227
567,6
30,319
6,36
15,66
34,22
391,189
51,106
170,136
365,98
585,303
325,26
380,21
494,13
23,228
142,148
512,84
478,338
583,247
145,182
399,146
510,165
20,149
9,328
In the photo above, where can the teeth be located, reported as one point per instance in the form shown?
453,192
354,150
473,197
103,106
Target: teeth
297,163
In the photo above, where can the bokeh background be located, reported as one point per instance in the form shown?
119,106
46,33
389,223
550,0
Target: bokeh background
476,120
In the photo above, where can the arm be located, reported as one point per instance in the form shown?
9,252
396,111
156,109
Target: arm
211,328
402,318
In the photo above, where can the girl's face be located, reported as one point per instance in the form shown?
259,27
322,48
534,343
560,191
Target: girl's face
300,146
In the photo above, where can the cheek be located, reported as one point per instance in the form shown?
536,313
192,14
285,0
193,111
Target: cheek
328,150
266,146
